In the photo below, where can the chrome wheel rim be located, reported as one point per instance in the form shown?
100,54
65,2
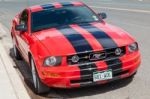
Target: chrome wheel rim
34,73
14,48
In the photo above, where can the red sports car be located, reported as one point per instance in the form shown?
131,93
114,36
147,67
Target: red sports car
68,45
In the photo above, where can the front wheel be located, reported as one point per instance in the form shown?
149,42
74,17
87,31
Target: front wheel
39,87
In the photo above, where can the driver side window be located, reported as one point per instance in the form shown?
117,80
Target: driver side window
24,18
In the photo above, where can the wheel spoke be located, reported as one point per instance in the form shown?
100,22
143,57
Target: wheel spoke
34,73
14,48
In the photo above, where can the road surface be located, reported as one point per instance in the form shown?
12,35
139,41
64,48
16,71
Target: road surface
131,15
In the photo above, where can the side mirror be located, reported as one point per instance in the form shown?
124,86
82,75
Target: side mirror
21,27
102,15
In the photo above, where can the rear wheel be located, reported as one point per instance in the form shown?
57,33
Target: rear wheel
39,87
16,53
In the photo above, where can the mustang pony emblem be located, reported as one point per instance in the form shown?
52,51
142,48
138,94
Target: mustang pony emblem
97,56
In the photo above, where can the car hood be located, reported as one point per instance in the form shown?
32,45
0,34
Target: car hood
66,40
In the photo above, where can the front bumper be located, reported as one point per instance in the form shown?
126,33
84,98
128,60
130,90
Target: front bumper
69,76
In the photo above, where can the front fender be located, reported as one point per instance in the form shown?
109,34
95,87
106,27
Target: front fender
38,53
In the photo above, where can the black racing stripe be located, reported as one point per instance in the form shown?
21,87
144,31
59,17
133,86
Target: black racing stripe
66,4
80,44
100,36
47,6
87,71
115,65
107,43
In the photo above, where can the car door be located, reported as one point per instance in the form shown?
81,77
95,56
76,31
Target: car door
23,36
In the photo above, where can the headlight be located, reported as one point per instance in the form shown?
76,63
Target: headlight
133,47
52,61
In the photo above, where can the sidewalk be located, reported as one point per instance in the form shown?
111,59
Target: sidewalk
6,89
11,86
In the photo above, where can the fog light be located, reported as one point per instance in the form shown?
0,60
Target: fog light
75,59
133,47
118,51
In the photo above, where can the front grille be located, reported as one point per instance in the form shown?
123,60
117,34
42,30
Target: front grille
91,56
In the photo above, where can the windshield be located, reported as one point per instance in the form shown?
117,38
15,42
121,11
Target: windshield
58,17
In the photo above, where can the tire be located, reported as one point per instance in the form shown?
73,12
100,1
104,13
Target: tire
16,53
39,87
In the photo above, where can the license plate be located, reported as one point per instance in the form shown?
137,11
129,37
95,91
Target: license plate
102,75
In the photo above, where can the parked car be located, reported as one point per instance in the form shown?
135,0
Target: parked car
68,45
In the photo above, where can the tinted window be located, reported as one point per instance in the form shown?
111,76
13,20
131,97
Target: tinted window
24,18
63,16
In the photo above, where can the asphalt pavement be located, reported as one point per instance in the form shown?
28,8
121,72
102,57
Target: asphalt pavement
131,15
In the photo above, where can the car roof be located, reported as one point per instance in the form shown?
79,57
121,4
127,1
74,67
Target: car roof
54,5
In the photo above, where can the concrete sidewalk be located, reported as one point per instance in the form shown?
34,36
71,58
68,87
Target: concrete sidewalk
6,88
11,86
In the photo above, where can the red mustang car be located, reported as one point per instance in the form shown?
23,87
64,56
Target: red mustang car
68,45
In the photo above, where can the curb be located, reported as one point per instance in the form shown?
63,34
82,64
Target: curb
16,83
